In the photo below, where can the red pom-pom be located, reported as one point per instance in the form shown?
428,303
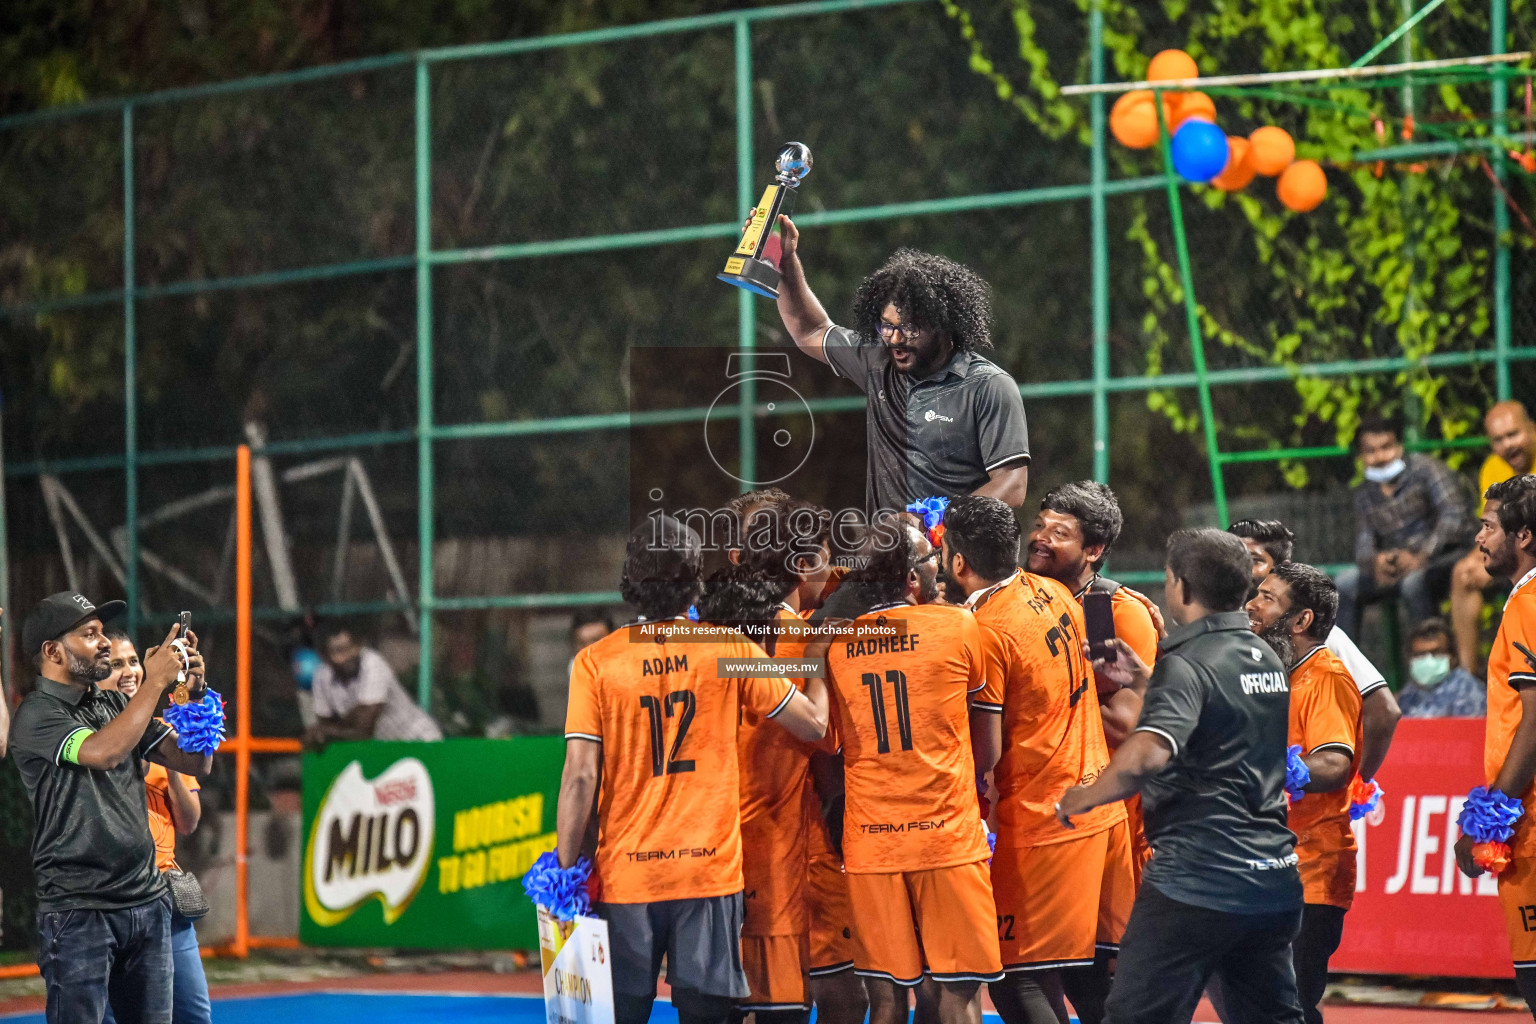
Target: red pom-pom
594,889
1491,857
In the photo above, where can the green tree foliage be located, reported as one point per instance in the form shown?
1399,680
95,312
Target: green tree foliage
1396,261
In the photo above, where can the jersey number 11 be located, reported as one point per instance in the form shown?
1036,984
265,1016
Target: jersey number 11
898,681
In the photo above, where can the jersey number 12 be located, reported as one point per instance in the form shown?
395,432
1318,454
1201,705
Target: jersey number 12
669,764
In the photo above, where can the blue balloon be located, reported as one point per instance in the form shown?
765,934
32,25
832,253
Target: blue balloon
1199,151
304,663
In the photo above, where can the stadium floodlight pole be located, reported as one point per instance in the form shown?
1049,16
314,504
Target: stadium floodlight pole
1318,75
1100,241
425,493
130,389
1191,312
746,312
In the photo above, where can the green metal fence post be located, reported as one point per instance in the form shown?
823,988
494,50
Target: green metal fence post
130,389
425,527
746,310
1100,233
1501,313
1191,313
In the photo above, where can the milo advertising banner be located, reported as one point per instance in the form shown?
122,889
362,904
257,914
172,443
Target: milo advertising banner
424,845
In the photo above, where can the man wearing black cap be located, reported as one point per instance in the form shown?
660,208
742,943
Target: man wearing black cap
103,911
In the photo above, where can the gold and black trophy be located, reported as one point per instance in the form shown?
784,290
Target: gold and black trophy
755,263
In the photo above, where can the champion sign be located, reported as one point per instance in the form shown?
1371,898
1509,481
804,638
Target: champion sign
371,838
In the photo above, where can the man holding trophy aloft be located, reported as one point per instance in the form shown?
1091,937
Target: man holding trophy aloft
942,420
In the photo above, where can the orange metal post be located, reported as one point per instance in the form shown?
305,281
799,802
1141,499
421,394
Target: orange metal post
241,945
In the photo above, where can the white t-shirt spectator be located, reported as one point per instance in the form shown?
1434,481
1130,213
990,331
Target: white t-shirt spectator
375,683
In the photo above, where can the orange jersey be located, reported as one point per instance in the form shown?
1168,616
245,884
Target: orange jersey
1325,713
667,724
1508,671
1134,625
1039,681
776,800
157,792
900,702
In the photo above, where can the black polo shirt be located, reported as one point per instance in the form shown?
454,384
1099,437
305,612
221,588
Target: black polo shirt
939,435
92,849
1216,815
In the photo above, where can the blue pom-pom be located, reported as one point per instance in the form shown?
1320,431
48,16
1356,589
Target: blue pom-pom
1297,774
992,842
693,613
1489,816
930,510
561,891
200,726
1365,799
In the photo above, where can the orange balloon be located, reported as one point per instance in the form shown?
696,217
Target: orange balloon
1133,119
1187,105
1302,186
1273,150
1170,65
1239,170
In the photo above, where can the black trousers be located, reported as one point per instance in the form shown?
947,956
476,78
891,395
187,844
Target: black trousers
1171,949
1322,927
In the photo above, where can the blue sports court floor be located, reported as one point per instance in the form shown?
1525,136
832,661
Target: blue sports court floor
384,1008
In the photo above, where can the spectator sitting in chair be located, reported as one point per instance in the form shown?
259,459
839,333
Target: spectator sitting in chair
1512,436
1412,522
357,697
1440,687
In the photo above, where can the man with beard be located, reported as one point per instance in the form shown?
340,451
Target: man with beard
1270,543
1037,721
1293,611
1507,539
1221,897
357,697
941,420
1512,436
914,845
103,910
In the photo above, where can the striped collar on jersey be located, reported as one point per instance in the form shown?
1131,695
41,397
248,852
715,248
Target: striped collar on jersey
1310,655
1523,581
886,607
979,597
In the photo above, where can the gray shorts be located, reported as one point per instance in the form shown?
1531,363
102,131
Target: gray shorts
701,939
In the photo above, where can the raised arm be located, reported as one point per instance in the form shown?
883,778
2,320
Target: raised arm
804,317
107,747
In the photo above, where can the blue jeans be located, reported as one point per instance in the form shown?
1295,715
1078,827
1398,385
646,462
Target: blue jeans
90,956
189,986
1421,590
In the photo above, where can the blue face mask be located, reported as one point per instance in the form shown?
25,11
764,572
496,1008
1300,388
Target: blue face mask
1385,474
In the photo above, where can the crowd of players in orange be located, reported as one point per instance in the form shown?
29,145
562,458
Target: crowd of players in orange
955,713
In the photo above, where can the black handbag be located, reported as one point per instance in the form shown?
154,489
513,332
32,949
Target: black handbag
187,895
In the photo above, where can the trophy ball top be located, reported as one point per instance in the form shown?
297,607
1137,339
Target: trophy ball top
794,162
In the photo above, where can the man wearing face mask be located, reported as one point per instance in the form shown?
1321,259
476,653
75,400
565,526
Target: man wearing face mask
941,419
1512,438
1413,524
1440,687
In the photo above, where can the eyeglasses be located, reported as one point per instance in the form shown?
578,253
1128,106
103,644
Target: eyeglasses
888,330
930,556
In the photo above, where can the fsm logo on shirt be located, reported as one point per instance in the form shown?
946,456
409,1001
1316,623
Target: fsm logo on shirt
371,838
930,416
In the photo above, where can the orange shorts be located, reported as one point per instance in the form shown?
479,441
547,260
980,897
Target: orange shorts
937,922
1517,898
1057,903
831,919
775,966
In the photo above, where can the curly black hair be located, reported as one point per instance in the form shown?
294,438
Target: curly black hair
931,291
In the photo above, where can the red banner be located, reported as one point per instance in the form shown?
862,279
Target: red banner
1414,913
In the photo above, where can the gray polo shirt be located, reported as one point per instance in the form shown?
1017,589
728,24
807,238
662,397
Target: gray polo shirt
1216,815
92,849
939,435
